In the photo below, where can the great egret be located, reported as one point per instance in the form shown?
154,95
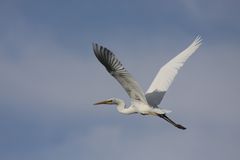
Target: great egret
145,104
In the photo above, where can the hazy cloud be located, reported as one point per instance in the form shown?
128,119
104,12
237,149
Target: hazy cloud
50,79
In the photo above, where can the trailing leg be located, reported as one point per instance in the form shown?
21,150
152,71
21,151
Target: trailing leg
170,121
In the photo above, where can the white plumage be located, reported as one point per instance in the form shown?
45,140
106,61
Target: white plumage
145,104
167,73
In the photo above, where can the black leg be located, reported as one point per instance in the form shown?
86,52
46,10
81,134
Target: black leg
170,121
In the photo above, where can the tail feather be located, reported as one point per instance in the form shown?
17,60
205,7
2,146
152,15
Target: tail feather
166,111
170,121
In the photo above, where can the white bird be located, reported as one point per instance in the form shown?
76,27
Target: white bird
145,104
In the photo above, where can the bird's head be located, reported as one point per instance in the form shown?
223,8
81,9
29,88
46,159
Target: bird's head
111,101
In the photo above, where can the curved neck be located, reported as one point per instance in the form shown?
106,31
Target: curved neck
122,109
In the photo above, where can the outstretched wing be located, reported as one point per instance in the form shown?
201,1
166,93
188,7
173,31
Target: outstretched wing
116,69
167,73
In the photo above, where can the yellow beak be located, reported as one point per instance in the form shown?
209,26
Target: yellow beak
103,102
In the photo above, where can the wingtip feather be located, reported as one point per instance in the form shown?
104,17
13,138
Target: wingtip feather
95,46
198,41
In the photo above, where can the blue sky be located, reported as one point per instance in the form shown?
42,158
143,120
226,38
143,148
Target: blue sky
50,78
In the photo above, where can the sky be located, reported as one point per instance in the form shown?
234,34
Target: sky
50,79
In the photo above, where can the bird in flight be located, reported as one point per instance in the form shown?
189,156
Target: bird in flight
144,103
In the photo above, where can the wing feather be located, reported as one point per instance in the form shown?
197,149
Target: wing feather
116,69
168,72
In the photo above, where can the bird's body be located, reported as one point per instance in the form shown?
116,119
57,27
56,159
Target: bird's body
142,108
145,104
